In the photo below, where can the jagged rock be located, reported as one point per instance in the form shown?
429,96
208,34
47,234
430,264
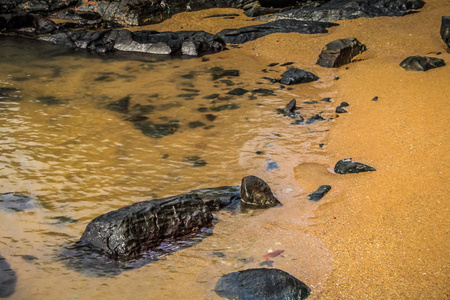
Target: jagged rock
262,283
421,63
314,119
250,33
445,30
340,52
129,231
15,202
219,197
290,107
348,166
120,105
319,193
8,279
335,10
296,76
256,193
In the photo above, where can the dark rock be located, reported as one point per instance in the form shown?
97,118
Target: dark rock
344,104
335,10
310,102
210,117
340,110
259,152
273,64
157,130
290,107
319,193
327,99
296,76
219,197
238,91
16,21
15,202
421,63
263,92
445,30
230,106
129,231
120,105
49,100
196,124
348,166
44,26
212,96
8,279
272,166
287,64
262,283
375,98
314,119
221,16
340,52
250,33
298,121
9,94
271,80
256,193
218,72
199,163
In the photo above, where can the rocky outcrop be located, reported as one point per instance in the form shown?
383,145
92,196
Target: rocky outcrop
15,202
129,231
348,166
296,76
421,63
256,193
340,52
319,193
250,33
349,9
445,30
262,283
8,279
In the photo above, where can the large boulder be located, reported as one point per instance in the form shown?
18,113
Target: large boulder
8,279
256,193
340,52
261,284
335,10
421,63
445,30
129,231
250,33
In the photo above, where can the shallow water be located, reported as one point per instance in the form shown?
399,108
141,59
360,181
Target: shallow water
60,143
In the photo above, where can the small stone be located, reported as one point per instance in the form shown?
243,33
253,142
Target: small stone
340,110
297,76
272,166
120,105
256,193
348,166
319,193
375,98
196,124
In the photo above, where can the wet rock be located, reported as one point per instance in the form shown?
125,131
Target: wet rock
272,165
296,76
314,119
16,21
129,231
15,202
157,130
340,52
445,30
218,72
49,100
327,99
250,33
348,166
120,105
212,96
340,109
263,92
261,283
9,94
230,106
238,91
199,163
375,98
256,193
219,197
421,63
8,279
350,9
319,193
290,108
210,117
196,124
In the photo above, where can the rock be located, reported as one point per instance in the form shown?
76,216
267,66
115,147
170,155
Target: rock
335,10
238,91
261,283
272,166
340,109
319,193
314,119
9,94
120,105
129,231
445,30
296,76
340,52
219,197
157,130
250,33
15,202
196,124
290,108
421,63
44,26
348,166
256,193
230,106
8,279
218,72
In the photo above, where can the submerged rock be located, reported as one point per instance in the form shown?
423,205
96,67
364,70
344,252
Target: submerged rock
335,10
319,193
421,63
348,166
15,202
120,105
8,279
262,283
340,52
157,130
445,30
250,33
296,76
256,193
129,231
